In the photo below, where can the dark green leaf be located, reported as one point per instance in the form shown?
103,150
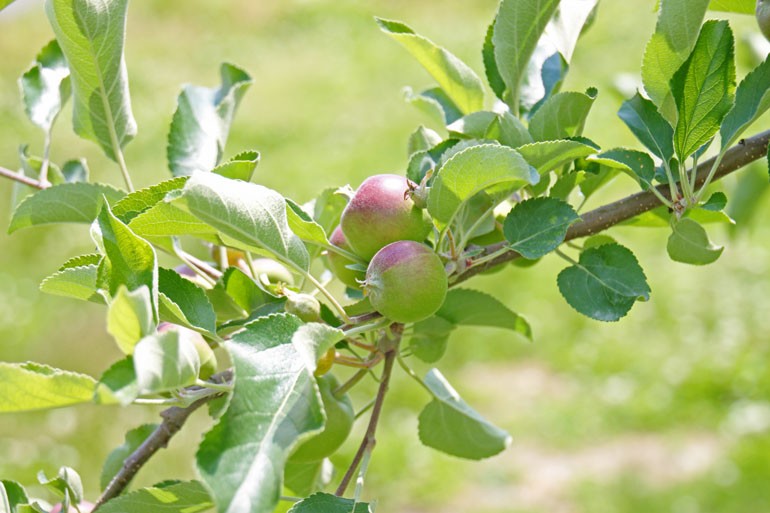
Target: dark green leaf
449,425
561,116
67,482
605,283
182,302
716,202
637,164
689,243
117,457
182,497
12,494
327,503
242,458
202,121
430,337
34,386
91,35
45,87
752,99
118,384
537,226
494,79
244,291
646,123
458,80
64,203
704,88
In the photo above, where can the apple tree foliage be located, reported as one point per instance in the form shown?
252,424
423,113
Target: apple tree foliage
504,179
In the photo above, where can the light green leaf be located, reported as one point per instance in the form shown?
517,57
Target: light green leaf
327,503
449,425
422,139
67,483
638,164
472,126
473,170
12,495
430,337
142,200
117,457
675,34
118,384
91,34
129,317
739,6
244,291
34,386
465,307
167,220
77,282
240,166
704,88
459,81
646,123
689,243
752,99
242,458
508,130
131,260
45,87
250,214
328,206
304,478
546,156
64,203
202,122
184,497
435,103
166,361
562,115
537,226
517,30
182,302
605,283
304,226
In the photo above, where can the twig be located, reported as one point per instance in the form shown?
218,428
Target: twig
597,220
173,420
18,177
369,440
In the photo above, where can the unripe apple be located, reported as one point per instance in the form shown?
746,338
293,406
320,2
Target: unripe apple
339,422
338,263
382,212
206,356
406,281
304,306
763,17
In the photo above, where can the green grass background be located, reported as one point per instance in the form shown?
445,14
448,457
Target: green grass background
667,410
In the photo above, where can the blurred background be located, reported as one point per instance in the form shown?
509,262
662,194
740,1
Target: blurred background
668,410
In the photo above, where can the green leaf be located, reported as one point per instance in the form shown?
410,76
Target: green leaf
327,503
449,425
202,122
118,456
91,34
716,202
167,220
473,170
304,226
675,34
494,79
12,495
537,226
45,87
34,386
459,81
435,103
689,243
704,88
249,214
517,30
466,307
422,139
182,302
166,361
738,6
646,123
183,497
131,260
638,164
118,384
472,126
605,283
129,317
77,282
67,482
508,130
142,200
752,99
244,291
561,116
304,478
570,20
5,3
64,203
240,166
546,156
328,206
242,458
430,337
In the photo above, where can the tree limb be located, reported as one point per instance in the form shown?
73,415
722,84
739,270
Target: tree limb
173,420
599,219
18,177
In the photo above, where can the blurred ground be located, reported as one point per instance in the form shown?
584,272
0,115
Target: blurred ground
668,410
